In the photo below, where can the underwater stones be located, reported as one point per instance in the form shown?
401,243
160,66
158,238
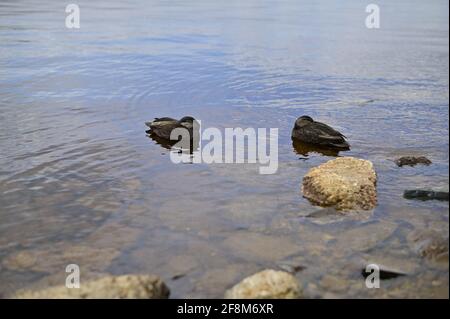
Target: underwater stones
291,267
110,287
329,215
391,265
385,272
95,252
214,280
266,284
345,183
20,261
55,258
256,246
424,195
412,161
429,244
362,238
334,283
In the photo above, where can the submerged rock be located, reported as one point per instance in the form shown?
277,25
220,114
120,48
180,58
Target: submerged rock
291,267
362,238
390,265
111,287
333,283
345,183
425,195
429,244
385,272
267,284
412,161
328,215
325,212
256,246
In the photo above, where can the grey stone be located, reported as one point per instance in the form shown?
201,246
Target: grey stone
412,161
424,195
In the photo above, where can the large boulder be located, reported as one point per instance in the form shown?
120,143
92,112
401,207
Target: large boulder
111,287
267,284
345,183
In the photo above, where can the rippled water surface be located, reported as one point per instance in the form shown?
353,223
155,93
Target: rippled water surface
80,182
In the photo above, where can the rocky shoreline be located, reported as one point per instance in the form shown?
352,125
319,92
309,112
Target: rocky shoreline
346,185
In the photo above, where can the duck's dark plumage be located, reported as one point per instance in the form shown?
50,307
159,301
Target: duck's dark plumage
163,126
309,131
164,119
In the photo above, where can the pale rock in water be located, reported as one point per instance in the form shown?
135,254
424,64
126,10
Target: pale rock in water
267,284
345,183
111,287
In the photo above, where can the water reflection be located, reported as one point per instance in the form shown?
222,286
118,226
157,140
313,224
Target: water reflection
165,143
305,149
194,143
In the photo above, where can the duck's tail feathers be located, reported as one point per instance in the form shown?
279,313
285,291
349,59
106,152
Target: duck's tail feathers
343,145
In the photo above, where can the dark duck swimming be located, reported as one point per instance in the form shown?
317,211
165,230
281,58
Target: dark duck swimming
308,131
163,126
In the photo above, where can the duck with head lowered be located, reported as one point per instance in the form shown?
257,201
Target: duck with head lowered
308,131
163,126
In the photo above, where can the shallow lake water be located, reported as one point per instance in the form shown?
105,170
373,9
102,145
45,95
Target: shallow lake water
80,182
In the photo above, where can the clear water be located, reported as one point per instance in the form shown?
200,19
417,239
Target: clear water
80,182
